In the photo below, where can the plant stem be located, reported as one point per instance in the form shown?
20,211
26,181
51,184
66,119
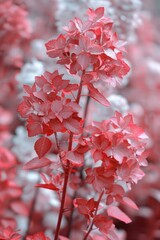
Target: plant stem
86,109
62,203
81,175
92,223
67,169
59,150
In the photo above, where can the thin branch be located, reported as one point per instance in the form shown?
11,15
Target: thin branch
92,223
67,170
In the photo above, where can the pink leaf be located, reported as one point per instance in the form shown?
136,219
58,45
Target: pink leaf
42,146
95,49
36,163
84,60
20,208
63,238
71,87
34,128
95,94
127,201
61,41
110,53
75,158
72,125
99,12
115,212
103,223
78,23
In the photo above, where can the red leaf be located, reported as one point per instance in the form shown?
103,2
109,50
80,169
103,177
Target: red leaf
103,223
71,87
85,207
95,94
72,125
84,60
42,146
36,163
99,12
115,212
49,186
61,41
34,128
75,158
38,236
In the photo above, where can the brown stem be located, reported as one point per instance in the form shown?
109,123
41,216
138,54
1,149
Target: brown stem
92,223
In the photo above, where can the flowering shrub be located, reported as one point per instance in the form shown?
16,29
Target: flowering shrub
96,163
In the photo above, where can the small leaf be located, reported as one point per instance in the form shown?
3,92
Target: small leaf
75,158
42,146
84,60
95,94
72,125
49,186
115,212
127,201
110,53
36,163
96,49
103,223
99,12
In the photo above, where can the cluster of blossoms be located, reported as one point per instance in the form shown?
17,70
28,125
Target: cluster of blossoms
102,158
